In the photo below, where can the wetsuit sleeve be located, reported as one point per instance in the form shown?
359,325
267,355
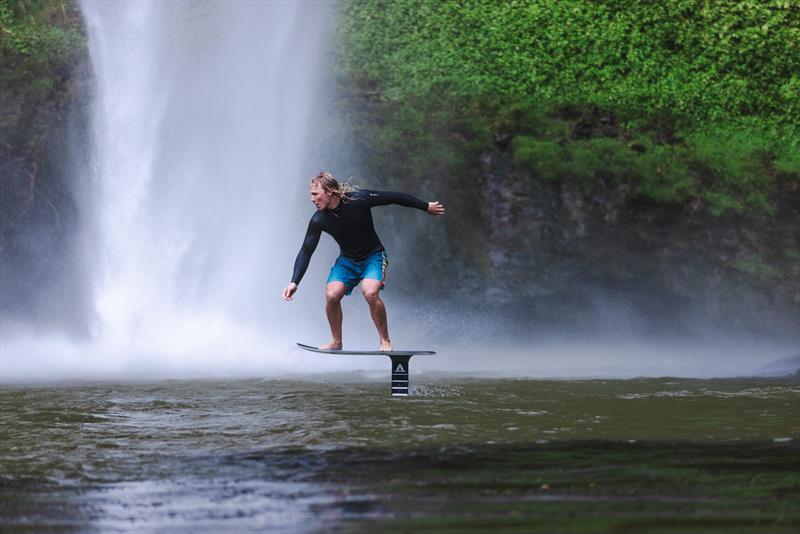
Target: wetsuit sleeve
309,246
385,198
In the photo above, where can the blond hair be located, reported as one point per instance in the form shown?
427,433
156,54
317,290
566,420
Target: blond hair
329,183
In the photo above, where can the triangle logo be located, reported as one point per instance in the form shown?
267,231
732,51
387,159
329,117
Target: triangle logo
399,368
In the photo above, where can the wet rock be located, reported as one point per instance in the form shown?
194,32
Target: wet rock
502,140
595,123
665,264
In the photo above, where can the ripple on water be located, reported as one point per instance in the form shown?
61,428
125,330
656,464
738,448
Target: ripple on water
64,417
434,391
176,457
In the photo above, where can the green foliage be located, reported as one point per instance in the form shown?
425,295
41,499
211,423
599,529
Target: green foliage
728,169
664,174
737,164
696,60
661,172
788,157
39,38
755,266
543,158
710,91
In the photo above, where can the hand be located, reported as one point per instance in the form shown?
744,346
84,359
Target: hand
288,291
435,208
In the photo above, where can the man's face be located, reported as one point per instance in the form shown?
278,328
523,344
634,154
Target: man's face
321,198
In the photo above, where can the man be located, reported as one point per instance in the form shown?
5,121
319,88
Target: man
345,213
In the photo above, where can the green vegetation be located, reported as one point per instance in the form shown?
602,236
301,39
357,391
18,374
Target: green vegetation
727,169
39,39
755,266
704,97
693,60
661,173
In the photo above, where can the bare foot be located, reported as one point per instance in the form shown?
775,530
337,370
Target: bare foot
333,345
386,345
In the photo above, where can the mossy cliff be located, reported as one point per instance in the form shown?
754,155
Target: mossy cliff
648,151
43,103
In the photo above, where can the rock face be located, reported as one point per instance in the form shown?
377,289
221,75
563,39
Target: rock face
548,253
557,251
43,141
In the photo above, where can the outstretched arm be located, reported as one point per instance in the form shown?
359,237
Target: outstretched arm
303,258
385,198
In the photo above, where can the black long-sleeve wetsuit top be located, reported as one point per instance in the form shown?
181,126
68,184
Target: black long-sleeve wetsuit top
350,224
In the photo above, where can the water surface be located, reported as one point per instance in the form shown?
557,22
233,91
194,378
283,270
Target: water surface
337,453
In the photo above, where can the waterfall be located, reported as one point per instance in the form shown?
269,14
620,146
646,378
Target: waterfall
200,116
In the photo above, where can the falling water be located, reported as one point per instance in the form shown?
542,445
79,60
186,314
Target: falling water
200,115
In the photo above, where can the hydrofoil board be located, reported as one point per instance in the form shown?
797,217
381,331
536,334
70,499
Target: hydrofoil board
399,363
368,352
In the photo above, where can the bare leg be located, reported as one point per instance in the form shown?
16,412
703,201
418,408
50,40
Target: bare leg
333,309
371,290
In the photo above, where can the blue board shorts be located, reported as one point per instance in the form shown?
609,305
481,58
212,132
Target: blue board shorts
350,272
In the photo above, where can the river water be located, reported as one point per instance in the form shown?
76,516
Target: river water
334,452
